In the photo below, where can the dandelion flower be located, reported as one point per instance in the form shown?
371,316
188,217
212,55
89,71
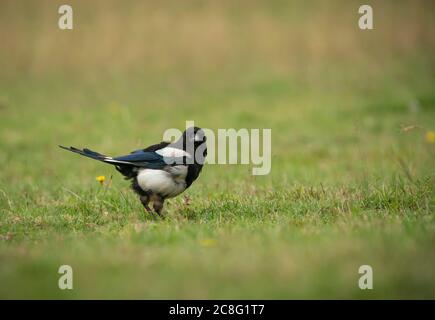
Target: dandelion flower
101,179
430,136
208,242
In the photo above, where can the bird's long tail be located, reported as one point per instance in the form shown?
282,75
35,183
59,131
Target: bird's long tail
94,155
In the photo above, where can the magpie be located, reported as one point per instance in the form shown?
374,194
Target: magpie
162,170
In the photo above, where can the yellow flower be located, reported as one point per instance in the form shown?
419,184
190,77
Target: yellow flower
101,179
430,136
208,242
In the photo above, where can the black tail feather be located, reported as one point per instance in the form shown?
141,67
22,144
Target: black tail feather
87,153
125,168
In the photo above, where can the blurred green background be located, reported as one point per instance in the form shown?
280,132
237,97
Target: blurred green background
352,115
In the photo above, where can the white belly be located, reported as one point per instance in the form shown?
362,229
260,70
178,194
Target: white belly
168,184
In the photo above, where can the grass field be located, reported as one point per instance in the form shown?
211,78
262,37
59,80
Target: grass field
352,180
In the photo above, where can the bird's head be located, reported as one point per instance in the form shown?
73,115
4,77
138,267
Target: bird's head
194,141
195,135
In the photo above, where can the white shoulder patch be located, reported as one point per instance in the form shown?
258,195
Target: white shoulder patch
173,152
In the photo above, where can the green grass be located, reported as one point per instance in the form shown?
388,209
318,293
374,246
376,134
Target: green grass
348,185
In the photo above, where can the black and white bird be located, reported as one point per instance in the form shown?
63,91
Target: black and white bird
160,171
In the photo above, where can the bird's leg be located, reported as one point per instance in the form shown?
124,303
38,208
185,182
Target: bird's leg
158,205
145,200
